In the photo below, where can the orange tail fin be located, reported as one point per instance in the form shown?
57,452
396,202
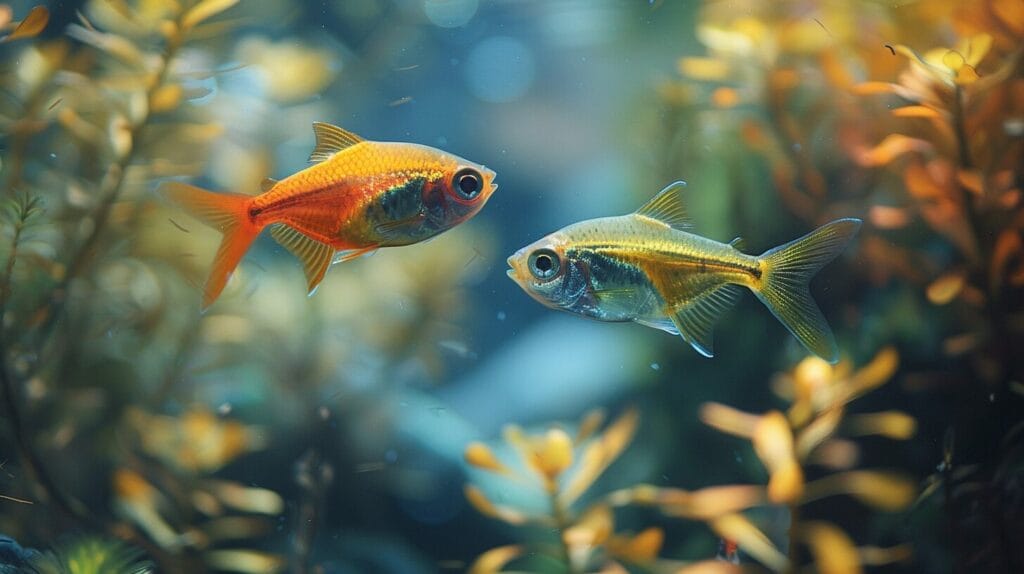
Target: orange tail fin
226,212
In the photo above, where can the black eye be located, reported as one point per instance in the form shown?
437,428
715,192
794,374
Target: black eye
468,183
544,264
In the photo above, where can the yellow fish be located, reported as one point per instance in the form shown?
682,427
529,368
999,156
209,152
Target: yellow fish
357,197
646,267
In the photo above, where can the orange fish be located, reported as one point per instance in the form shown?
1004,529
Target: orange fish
358,196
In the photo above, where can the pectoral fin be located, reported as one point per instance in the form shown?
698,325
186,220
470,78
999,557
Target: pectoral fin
400,227
316,257
696,319
625,302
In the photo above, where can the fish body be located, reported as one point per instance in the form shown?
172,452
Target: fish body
649,268
357,197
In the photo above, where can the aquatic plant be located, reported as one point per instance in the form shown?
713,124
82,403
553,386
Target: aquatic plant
563,467
814,432
908,116
88,555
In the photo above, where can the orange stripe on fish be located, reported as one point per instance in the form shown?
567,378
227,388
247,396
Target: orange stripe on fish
357,196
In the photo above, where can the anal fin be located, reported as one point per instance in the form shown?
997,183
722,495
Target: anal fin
695,320
316,257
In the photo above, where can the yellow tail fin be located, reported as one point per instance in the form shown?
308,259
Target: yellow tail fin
785,285
229,214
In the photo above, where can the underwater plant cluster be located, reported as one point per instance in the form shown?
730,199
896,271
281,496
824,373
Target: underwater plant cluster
180,392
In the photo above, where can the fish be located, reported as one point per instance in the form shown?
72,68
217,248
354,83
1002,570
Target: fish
357,197
650,268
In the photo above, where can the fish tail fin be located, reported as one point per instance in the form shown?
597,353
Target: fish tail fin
225,212
785,286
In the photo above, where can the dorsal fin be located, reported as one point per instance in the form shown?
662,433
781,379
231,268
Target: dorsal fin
316,257
738,244
667,207
267,184
330,140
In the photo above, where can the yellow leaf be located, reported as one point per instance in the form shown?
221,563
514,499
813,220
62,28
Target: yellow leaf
786,483
888,217
591,422
31,26
725,98
165,98
246,561
946,288
773,440
750,539
707,69
890,148
728,419
591,466
836,454
481,456
483,505
873,375
975,48
893,424
553,454
884,491
130,485
619,434
916,112
872,88
204,10
600,453
817,432
834,552
972,180
495,559
592,529
639,549
246,498
707,503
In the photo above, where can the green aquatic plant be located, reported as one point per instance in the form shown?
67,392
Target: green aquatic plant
91,555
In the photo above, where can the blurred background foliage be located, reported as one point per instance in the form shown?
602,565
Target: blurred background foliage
419,413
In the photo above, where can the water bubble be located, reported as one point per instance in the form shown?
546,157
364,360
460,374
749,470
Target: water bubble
499,69
450,13
224,409
501,315
655,367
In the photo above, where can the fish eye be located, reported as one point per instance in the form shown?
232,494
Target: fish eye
544,264
468,183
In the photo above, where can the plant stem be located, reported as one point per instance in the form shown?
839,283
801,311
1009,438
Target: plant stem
32,461
561,517
794,547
